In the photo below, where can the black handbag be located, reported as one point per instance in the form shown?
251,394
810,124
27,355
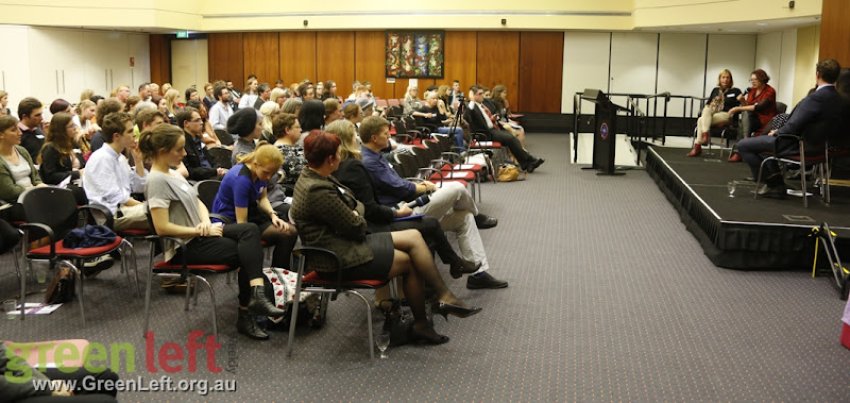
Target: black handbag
61,288
397,322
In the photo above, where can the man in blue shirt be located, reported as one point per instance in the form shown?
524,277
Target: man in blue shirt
451,203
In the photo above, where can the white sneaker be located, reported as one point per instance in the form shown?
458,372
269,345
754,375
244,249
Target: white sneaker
94,266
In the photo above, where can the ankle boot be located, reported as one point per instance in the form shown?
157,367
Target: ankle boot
696,151
260,305
246,325
460,266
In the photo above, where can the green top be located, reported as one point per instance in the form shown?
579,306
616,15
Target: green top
324,211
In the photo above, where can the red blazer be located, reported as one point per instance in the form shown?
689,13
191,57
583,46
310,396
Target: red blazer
765,104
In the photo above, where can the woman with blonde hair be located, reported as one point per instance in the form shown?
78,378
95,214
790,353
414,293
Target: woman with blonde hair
85,121
243,197
171,105
278,95
411,100
176,211
268,110
4,101
723,98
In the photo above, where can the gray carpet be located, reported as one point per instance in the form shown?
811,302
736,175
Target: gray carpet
610,299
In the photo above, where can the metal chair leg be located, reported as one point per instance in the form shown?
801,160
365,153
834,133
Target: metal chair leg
148,292
212,301
295,303
368,321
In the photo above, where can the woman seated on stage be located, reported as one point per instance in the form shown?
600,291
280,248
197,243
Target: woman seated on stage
722,99
328,216
760,102
176,211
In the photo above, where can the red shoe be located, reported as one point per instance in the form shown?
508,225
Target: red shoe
696,151
735,157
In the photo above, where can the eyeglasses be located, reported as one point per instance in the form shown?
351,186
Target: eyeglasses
197,120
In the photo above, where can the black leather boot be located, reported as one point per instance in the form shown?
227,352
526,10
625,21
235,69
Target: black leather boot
261,306
246,325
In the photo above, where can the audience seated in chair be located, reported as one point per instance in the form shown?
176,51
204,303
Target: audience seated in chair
247,124
31,113
813,118
429,115
176,211
480,121
328,216
451,203
198,165
105,108
243,197
220,112
722,99
109,180
17,172
58,160
380,218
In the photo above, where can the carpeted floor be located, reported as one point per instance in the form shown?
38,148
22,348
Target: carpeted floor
610,299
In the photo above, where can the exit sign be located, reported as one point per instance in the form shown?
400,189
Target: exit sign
182,34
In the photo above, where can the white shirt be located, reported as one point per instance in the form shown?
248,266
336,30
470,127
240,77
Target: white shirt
247,101
219,113
108,179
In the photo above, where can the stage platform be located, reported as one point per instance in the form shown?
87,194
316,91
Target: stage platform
741,232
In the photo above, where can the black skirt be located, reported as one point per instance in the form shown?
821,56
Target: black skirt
376,269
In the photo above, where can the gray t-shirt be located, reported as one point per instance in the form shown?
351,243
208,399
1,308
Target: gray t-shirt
173,192
21,172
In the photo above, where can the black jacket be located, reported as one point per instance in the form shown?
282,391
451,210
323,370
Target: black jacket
32,140
819,117
354,175
192,160
55,168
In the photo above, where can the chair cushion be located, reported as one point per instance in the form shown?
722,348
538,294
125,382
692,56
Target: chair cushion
313,278
447,175
461,167
62,251
168,266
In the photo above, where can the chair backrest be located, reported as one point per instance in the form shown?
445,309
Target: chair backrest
207,190
221,157
407,164
52,206
224,137
781,107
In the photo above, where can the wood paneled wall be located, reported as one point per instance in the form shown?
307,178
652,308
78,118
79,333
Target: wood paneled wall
835,32
529,64
160,48
541,59
261,52
226,58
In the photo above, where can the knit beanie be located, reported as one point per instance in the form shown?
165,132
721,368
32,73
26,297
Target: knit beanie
242,122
